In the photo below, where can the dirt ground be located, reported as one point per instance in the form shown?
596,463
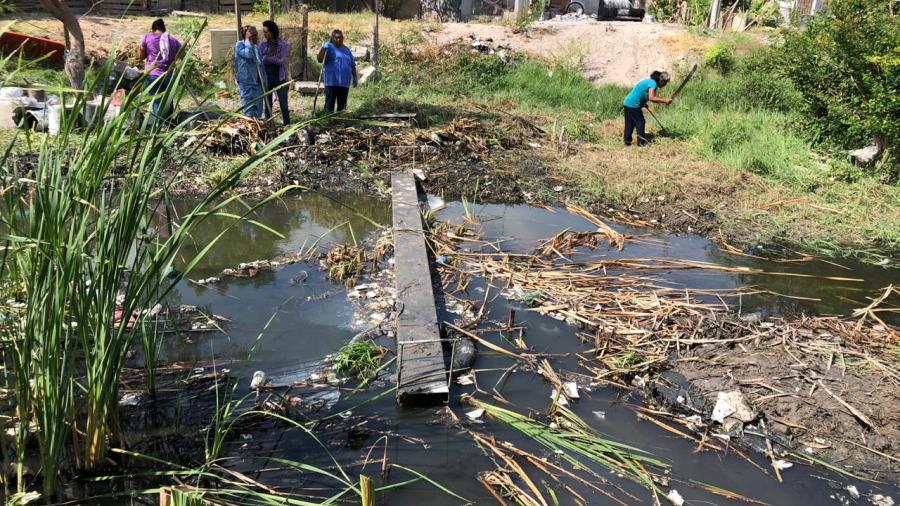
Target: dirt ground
610,52
616,52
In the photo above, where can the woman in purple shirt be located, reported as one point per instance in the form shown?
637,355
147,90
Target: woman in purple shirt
159,50
274,51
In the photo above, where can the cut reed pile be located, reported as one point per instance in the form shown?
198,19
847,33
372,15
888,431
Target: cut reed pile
635,320
237,135
385,147
803,376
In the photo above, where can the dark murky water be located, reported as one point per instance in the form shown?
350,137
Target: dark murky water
306,327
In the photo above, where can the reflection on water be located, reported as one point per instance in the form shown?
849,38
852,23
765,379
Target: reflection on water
302,322
301,220
522,228
297,320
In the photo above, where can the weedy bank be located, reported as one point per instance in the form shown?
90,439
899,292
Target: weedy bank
737,152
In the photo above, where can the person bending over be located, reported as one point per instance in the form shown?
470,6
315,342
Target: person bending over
644,91
158,49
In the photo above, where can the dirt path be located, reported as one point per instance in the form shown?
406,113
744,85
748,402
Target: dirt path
610,52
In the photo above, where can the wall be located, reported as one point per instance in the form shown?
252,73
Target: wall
136,7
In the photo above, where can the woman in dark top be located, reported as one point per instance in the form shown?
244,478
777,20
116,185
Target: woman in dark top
274,51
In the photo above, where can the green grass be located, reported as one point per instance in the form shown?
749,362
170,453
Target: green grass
361,359
742,121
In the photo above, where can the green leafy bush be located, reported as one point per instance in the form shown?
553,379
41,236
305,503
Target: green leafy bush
695,12
846,66
764,13
262,6
721,56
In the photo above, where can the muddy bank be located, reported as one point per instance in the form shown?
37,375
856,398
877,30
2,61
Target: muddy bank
822,389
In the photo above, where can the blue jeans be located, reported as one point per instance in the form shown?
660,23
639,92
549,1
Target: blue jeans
252,99
157,85
275,82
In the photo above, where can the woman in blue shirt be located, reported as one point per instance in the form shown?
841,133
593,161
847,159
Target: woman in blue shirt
339,71
644,91
249,72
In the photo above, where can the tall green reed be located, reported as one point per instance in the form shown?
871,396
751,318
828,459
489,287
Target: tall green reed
81,243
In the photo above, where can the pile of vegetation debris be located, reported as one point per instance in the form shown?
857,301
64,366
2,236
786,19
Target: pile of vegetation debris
820,390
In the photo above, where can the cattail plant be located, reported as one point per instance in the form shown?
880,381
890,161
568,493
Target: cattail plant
80,247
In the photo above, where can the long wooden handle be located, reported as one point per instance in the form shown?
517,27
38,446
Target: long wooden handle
316,96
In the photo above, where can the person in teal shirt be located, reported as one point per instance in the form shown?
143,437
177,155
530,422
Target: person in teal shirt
644,91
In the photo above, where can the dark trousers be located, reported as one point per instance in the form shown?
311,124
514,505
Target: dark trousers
282,93
335,95
634,119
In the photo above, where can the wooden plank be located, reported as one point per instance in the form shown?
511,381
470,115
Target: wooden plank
421,372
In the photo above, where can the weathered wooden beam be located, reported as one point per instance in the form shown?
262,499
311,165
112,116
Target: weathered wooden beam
421,371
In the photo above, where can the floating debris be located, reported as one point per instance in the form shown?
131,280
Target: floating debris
258,380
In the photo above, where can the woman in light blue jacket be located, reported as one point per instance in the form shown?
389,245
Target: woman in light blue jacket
249,72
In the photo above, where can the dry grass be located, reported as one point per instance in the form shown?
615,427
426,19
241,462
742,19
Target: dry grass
668,185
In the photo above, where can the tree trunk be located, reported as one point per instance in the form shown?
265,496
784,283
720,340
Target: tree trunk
75,61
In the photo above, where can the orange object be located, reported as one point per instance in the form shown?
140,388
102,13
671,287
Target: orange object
33,47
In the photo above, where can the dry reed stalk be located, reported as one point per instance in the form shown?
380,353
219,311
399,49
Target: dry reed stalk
615,238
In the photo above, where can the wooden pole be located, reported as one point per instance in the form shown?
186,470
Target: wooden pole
375,41
272,10
237,16
304,42
714,14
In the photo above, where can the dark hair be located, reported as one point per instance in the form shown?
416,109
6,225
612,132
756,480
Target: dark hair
661,78
158,25
245,29
272,27
337,31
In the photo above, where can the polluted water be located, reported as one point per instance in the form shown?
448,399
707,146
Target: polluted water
526,423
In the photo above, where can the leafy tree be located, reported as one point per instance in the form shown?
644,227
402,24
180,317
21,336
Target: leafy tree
846,66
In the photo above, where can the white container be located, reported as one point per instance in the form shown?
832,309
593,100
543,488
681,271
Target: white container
11,92
54,115
7,112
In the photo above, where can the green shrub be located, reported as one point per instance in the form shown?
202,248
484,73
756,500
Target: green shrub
262,6
846,66
721,56
6,7
764,13
668,11
762,86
